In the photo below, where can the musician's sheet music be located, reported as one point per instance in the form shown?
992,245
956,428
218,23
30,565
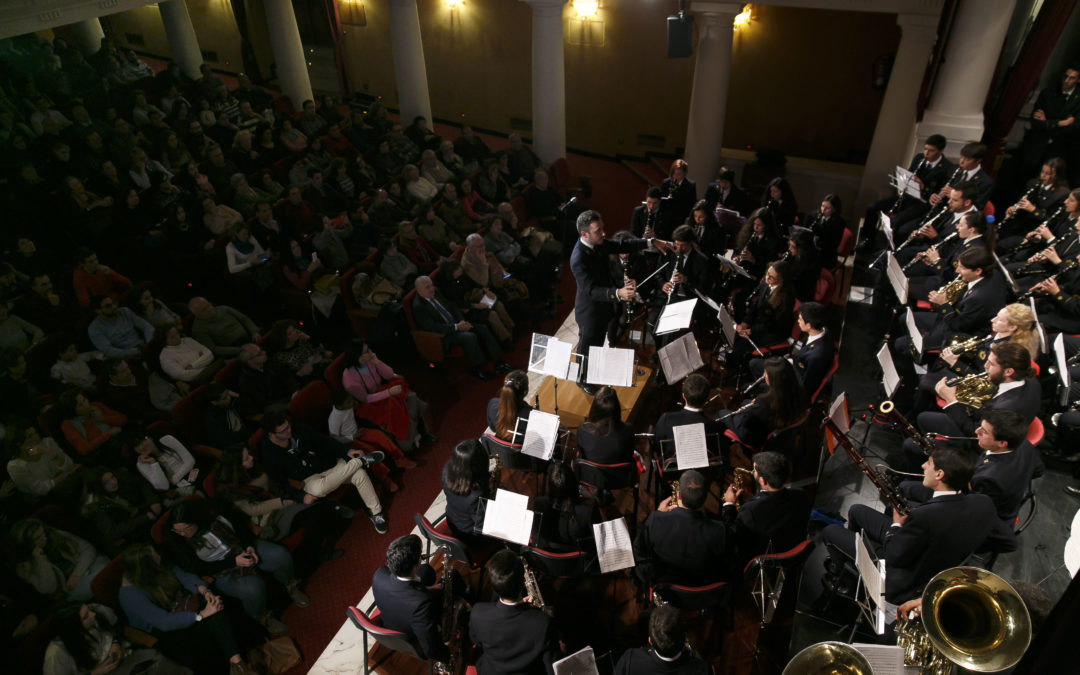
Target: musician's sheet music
680,358
613,548
727,324
1062,364
913,332
691,450
873,579
611,366
582,662
838,412
676,316
508,517
549,356
897,279
906,179
885,659
886,226
890,379
540,435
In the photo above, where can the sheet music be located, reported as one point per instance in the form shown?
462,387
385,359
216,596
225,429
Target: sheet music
581,662
913,332
540,435
707,300
886,226
873,579
1062,366
676,316
884,660
727,324
611,366
838,412
488,301
691,451
613,548
680,358
890,378
549,356
897,279
906,180
1005,272
508,517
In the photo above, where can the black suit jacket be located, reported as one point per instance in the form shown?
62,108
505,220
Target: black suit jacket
661,222
695,269
681,546
938,534
1024,400
933,178
665,426
642,661
678,200
736,199
595,297
984,185
615,448
812,361
971,313
408,607
513,639
827,235
768,517
770,325
428,318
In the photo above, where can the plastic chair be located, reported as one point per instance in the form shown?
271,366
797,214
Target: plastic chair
439,535
370,624
311,405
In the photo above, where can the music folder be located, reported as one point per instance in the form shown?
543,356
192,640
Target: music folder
889,376
885,223
727,324
914,333
897,278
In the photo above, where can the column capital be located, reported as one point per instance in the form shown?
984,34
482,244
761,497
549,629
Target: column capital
716,10
918,27
546,7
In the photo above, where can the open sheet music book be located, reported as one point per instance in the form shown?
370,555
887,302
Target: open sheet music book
680,357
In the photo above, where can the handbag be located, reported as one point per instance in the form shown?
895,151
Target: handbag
275,656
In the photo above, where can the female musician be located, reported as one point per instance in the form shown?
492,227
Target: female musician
566,518
805,261
758,242
508,413
604,438
1061,225
828,227
770,310
781,405
465,486
779,199
1059,308
1043,195
703,221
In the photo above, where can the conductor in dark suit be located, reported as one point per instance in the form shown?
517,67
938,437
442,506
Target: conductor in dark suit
597,291
680,543
514,638
934,536
648,220
407,597
435,313
774,519
679,193
668,652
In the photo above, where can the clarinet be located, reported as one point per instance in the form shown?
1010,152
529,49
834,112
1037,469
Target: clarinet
679,261
628,305
1016,206
744,407
916,233
920,256
1065,266
1031,235
889,494
900,197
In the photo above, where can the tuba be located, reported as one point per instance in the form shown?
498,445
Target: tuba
829,658
971,618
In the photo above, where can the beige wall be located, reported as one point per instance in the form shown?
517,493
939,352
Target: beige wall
801,79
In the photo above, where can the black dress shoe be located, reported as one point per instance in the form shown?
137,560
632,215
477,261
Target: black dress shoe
480,374
503,367
589,389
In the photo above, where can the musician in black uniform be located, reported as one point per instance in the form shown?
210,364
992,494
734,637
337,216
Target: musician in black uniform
939,227
648,219
774,519
695,393
513,637
968,170
934,536
758,243
668,653
687,269
938,263
1041,197
1054,127
769,313
625,266
1059,225
726,194
828,227
603,437
783,402
779,201
408,598
813,356
597,292
679,193
931,170
805,262
710,238
1059,299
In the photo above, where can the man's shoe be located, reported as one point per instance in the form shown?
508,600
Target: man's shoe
1073,490
299,598
272,625
379,521
480,374
332,554
373,457
503,367
589,389
428,437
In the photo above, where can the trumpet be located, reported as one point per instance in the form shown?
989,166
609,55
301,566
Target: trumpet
1065,266
922,254
888,408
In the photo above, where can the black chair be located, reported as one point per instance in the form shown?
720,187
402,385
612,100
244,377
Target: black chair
599,477
439,535
558,565
397,641
512,458
701,599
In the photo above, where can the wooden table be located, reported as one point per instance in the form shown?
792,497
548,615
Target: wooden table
574,404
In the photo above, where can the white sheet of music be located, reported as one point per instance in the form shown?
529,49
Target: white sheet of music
611,366
897,279
906,180
676,316
613,548
691,451
890,378
727,324
884,659
508,517
540,435
549,356
680,357
582,662
1062,362
913,332
873,579
885,225
838,412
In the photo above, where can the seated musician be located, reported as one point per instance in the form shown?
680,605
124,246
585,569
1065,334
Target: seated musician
1008,368
937,228
813,355
708,235
935,535
779,200
668,652
625,266
772,520
695,393
968,170
1042,196
648,220
566,518
511,635
604,438
931,171
1050,242
687,270
769,313
681,543
782,404
465,483
508,413
1003,471
805,261
938,263
758,243
408,598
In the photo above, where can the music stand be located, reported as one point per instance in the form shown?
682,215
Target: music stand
885,225
897,279
735,267
915,334
838,413
890,380
1063,368
550,356
871,580
1005,272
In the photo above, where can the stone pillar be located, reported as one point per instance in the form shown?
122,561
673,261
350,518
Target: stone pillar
181,36
410,71
955,109
292,72
548,80
87,36
708,98
895,129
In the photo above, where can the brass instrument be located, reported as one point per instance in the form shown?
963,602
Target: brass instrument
741,479
972,390
451,618
971,618
889,492
953,290
1065,266
675,492
959,347
532,588
922,255
888,408
829,658
495,469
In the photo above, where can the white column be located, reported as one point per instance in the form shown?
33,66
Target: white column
410,71
548,80
292,72
87,36
955,108
708,98
181,36
894,132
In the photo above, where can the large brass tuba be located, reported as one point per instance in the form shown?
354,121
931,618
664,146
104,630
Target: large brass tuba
970,617
829,658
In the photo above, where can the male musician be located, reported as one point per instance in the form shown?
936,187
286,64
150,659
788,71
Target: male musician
938,263
968,170
931,169
679,542
408,598
679,193
648,220
726,194
960,202
625,266
1002,472
775,518
687,269
597,291
511,634
695,393
812,356
934,536
669,651
1054,128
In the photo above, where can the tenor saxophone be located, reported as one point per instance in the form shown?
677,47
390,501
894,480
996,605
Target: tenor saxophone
451,618
532,588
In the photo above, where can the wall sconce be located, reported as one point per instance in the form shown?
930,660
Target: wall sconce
743,17
454,4
586,9
352,12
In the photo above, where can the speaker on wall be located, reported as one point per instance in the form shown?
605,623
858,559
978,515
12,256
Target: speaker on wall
680,29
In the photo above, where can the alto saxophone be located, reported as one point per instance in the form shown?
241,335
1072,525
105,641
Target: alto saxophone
741,479
495,469
532,588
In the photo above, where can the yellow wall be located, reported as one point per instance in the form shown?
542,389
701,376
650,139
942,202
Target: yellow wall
800,81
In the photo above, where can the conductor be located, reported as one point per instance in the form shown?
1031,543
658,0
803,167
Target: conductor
597,291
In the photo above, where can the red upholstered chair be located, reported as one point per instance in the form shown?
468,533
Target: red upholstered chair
694,598
826,284
612,477
428,344
229,373
371,624
333,372
558,565
1035,431
826,380
439,535
783,347
311,405
787,559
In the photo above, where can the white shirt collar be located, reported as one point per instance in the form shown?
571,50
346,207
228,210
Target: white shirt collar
971,284
944,493
935,162
1007,386
689,409
585,244
810,338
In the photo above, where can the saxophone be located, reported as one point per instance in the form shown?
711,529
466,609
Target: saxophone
953,290
741,479
973,390
451,618
495,469
532,588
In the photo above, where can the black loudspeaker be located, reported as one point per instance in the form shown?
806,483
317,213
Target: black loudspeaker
680,29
